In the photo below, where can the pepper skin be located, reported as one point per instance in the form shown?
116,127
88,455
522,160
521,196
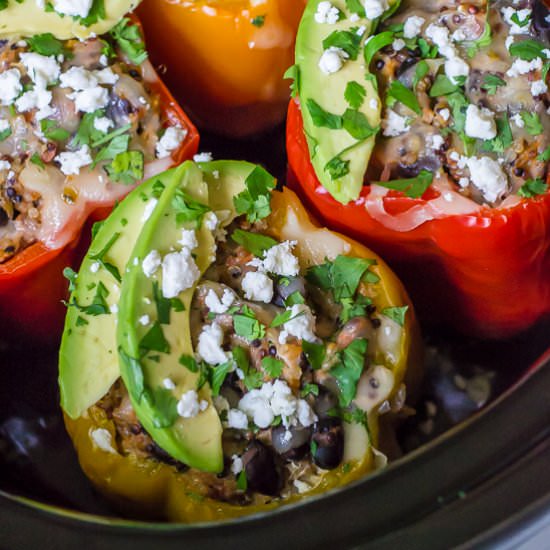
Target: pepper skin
145,488
228,70
484,274
32,286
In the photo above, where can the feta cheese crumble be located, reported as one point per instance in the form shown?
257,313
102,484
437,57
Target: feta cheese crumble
332,60
10,86
280,260
519,67
413,26
170,141
237,420
375,8
203,157
480,123
73,8
188,406
326,13
102,439
179,272
217,305
487,175
301,324
210,343
394,124
151,263
456,67
72,161
258,287
148,210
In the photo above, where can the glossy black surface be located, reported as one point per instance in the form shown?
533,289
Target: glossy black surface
452,486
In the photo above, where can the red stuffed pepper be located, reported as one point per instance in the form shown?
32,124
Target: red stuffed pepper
443,167
82,122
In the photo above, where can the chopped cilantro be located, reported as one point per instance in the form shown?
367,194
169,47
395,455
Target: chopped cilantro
96,13
294,298
491,82
253,242
398,91
503,139
410,187
126,167
87,132
135,374
154,340
421,70
354,94
308,389
71,276
35,159
357,125
100,257
242,482
118,145
337,167
272,367
218,375
532,123
46,44
163,305
247,326
163,406
427,51
189,363
442,86
527,49
349,369
315,353
255,200
81,322
293,73
322,118
396,314
258,21
356,6
545,155
532,188
188,209
349,41
283,318
5,134
129,39
376,43
52,132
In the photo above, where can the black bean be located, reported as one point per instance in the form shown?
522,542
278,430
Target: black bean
256,343
272,351
4,218
376,323
261,471
328,436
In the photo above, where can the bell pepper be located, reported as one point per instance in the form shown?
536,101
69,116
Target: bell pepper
147,488
32,286
485,273
225,59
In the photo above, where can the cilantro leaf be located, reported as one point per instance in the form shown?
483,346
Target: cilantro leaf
396,314
99,305
527,49
189,362
35,159
337,167
218,375
126,167
491,82
482,42
71,276
5,134
96,13
356,6
357,125
532,123
401,93
154,340
188,209
242,483
349,369
315,353
272,367
163,406
503,139
532,188
253,242
545,155
354,94
442,86
322,118
421,70
52,132
100,257
87,133
163,305
411,187
247,325
118,145
258,21
255,200
293,73
135,380
129,39
349,41
376,43
46,44
308,389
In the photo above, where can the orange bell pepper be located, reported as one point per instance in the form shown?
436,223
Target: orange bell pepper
32,286
225,58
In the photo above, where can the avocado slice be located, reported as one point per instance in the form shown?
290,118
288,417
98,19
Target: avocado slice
27,18
88,363
339,158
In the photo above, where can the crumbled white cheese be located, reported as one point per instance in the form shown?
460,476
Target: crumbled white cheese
375,8
103,124
188,239
188,406
305,414
326,13
102,439
210,221
103,60
78,78
394,124
455,67
107,76
373,103
73,8
538,87
413,26
458,35
237,420
301,486
210,343
445,114
463,182
215,305
434,141
37,98
519,67
148,210
170,141
179,272
517,120
151,263
72,161
487,175
10,86
509,41
480,123
94,267
332,60
257,286
43,70
439,35
4,165
301,324
279,260
398,44
144,320
521,15
203,157
168,384
361,30
4,125
91,99
236,464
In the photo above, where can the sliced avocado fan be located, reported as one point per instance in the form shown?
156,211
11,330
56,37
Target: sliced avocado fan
338,95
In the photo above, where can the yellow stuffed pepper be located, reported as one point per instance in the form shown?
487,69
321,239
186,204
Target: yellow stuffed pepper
256,350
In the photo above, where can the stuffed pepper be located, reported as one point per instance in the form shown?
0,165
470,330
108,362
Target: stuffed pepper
226,59
422,130
82,121
256,350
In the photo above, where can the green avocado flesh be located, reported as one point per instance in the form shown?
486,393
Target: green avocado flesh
340,158
149,332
